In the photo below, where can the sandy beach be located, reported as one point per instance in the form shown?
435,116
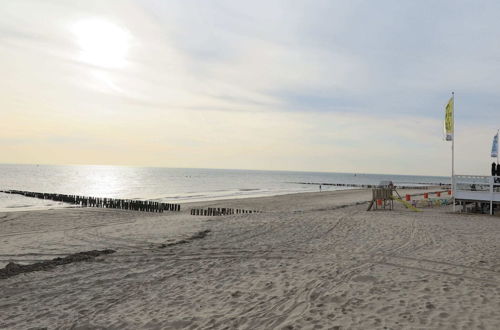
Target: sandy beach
308,261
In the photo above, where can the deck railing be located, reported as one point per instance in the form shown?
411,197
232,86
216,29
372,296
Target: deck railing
477,188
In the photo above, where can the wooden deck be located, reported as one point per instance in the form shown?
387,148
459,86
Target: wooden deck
484,190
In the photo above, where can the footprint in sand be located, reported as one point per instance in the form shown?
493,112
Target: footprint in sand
364,278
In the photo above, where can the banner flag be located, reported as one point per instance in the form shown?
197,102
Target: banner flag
448,120
494,148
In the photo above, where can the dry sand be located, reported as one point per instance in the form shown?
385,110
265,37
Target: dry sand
304,263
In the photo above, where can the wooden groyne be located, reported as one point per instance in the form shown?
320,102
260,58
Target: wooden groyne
220,211
355,185
108,203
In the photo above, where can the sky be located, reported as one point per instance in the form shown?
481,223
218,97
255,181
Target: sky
337,86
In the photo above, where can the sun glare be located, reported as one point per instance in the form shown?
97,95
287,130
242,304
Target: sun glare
101,42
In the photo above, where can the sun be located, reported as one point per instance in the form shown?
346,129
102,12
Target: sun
101,42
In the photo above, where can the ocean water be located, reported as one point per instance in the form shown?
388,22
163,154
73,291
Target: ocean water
171,184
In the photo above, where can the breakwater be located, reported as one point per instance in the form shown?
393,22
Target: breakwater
220,211
356,185
109,203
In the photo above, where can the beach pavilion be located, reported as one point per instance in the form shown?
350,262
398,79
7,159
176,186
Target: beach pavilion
479,191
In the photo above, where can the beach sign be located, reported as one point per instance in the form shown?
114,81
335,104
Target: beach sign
494,147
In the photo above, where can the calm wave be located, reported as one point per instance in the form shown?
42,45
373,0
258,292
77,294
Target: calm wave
171,184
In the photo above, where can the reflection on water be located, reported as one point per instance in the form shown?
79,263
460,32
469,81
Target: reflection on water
177,184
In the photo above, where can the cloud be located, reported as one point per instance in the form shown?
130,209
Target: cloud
330,85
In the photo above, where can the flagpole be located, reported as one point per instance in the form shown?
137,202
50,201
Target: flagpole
453,152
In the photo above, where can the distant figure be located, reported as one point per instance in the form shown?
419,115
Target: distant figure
494,170
319,188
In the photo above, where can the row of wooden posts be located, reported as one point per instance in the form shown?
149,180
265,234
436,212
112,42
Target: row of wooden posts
355,185
220,211
110,203
126,204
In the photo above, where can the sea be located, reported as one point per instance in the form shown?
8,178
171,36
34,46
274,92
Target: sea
176,185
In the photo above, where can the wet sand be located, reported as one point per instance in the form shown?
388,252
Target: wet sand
306,262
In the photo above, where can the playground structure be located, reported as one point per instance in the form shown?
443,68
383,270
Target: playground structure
427,201
384,198
472,193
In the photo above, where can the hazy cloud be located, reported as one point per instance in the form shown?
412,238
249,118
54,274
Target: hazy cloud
324,85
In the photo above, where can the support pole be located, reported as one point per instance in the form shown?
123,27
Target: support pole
453,151
492,183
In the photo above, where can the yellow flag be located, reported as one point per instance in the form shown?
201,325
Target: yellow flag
448,120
